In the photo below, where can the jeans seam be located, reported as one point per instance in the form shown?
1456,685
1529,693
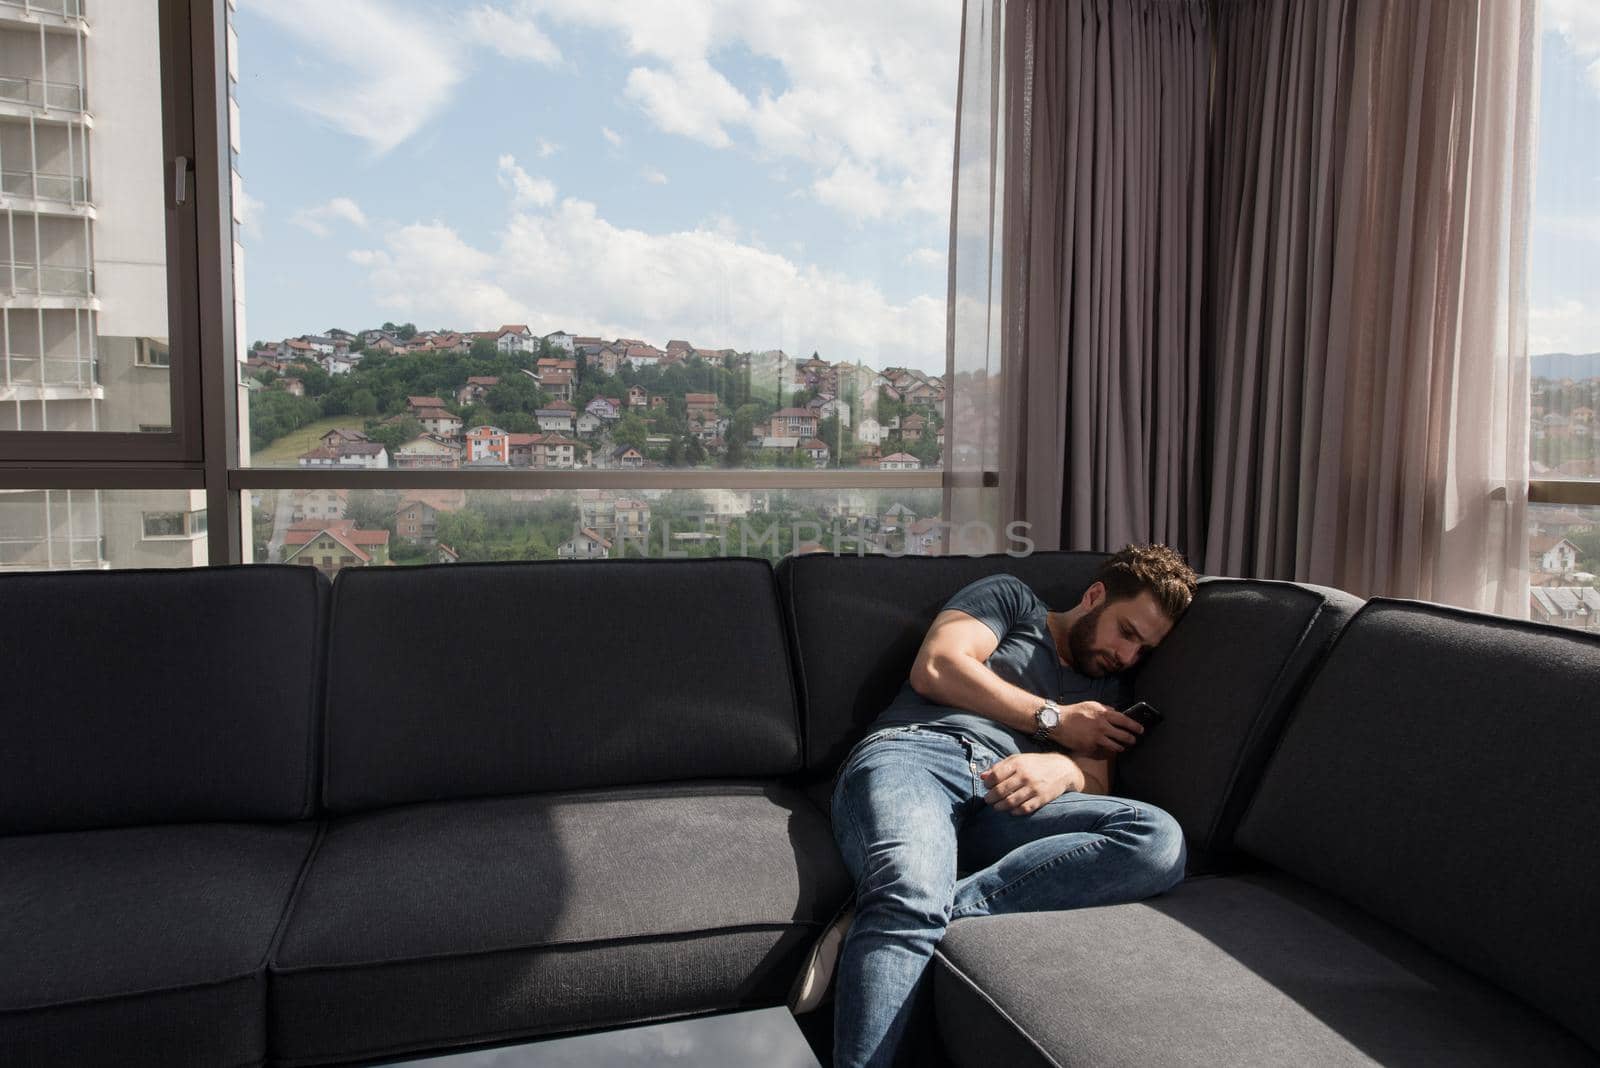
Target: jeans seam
1030,873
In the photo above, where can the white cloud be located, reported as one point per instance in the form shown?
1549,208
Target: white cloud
511,37
612,136
1582,227
567,266
525,189
547,148
426,268
1578,21
384,72
341,209
654,177
926,257
690,98
1569,326
869,104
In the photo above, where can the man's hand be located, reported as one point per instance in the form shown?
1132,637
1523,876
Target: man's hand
1025,783
1095,729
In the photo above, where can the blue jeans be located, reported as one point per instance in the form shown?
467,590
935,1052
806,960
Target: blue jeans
924,849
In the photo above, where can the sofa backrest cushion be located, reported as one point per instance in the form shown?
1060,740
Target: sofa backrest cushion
859,620
1225,678
1441,773
139,697
475,680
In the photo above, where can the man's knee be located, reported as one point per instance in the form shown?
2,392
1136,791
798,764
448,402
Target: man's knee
916,888
1162,846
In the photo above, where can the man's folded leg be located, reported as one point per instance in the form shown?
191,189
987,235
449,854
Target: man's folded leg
1077,851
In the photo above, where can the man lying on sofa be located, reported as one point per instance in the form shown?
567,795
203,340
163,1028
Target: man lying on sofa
982,788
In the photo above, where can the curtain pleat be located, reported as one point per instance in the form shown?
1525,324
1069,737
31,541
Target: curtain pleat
1262,290
1104,285
1366,201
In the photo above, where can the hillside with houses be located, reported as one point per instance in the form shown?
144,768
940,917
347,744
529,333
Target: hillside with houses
403,398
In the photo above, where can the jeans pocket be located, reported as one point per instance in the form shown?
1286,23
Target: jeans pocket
884,732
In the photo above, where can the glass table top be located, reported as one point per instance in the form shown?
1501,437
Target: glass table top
768,1037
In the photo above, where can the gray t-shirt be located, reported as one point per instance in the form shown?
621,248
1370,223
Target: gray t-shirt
1026,656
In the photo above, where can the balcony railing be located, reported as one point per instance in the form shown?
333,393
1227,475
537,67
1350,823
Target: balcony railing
42,185
22,369
31,554
70,9
59,96
28,280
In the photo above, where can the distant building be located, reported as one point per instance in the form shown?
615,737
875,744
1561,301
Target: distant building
438,421
428,451
331,547
605,407
1577,607
899,461
477,388
793,422
586,544
700,406
515,337
320,505
555,417
365,454
488,443
1553,554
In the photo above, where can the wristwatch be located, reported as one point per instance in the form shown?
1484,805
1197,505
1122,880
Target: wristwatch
1045,719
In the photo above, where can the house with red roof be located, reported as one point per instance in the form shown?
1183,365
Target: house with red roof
333,546
515,337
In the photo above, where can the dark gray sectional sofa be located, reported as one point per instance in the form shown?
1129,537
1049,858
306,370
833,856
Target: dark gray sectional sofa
247,819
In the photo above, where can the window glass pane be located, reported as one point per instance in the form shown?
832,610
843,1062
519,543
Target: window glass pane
336,528
51,530
1564,550
1564,287
83,327
601,237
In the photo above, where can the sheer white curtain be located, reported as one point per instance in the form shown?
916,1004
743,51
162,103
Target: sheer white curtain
1250,278
1371,164
1076,263
972,358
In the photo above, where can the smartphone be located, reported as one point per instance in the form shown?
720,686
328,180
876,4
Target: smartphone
1145,713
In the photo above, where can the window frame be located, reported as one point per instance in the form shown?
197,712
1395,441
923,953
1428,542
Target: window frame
129,450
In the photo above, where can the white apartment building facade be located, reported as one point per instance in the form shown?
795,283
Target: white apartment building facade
83,277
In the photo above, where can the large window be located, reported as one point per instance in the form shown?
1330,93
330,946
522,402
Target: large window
1564,324
332,527
584,238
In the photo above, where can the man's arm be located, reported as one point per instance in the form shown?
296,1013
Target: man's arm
950,670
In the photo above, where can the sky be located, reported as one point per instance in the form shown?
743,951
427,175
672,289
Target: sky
1564,253
738,175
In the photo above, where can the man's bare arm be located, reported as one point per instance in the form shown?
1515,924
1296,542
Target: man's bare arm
950,670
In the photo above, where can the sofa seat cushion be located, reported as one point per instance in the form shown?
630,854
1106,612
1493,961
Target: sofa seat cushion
1239,970
474,920
145,945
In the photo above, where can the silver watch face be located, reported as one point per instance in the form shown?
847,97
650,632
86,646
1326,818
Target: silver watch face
1048,717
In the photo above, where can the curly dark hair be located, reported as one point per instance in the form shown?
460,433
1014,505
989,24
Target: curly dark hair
1156,568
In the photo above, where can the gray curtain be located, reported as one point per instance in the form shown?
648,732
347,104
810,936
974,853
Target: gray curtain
1104,109
1368,212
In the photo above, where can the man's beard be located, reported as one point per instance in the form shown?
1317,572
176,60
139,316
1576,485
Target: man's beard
1080,643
